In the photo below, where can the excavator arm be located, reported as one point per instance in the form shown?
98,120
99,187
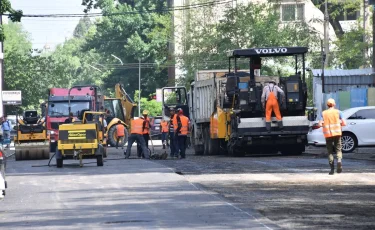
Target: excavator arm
127,103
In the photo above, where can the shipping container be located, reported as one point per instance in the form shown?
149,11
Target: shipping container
344,98
371,97
358,97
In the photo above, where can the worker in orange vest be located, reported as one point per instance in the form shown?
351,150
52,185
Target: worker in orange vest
120,131
331,121
136,134
164,132
182,130
145,131
270,103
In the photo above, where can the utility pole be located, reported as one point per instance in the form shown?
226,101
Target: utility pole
2,110
139,89
323,62
364,31
171,49
326,33
373,39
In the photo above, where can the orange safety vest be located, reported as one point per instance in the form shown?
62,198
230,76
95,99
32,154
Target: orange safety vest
120,130
174,122
171,126
136,126
185,125
147,126
164,126
331,126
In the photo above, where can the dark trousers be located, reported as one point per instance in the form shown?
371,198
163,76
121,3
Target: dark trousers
164,138
181,144
172,144
140,142
121,138
139,149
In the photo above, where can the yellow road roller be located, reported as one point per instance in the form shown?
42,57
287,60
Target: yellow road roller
82,139
31,141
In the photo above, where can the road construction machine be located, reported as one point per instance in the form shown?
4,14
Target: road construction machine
83,137
122,108
227,114
56,109
31,141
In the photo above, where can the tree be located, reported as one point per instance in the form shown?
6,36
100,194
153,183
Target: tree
132,36
15,15
244,26
153,106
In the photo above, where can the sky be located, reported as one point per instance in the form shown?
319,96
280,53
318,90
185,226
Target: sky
50,31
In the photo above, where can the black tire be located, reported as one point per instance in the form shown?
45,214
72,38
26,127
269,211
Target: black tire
59,163
99,160
18,155
112,136
205,134
213,146
349,142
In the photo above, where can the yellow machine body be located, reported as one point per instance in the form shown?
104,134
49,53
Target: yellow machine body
31,141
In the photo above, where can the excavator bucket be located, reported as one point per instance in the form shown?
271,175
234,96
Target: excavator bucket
32,151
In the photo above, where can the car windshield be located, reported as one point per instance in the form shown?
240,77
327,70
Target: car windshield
157,121
61,108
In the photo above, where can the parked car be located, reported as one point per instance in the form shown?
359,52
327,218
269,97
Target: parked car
358,132
155,127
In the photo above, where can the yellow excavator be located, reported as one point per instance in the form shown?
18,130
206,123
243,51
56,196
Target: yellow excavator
31,141
122,108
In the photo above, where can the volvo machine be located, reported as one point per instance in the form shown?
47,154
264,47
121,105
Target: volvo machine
31,141
226,112
84,137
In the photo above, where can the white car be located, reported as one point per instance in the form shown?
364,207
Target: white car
358,132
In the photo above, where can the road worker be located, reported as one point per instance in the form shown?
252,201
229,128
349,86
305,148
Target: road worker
120,131
136,134
172,143
70,119
181,132
270,103
331,121
145,131
164,132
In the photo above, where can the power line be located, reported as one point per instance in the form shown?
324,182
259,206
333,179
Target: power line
187,7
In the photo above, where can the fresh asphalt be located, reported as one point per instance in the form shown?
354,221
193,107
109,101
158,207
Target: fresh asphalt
124,194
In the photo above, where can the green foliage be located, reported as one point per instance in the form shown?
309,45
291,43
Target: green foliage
15,16
245,26
132,37
153,106
350,46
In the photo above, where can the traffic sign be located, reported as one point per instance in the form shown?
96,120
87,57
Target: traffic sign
12,97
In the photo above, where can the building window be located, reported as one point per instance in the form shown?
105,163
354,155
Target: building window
292,12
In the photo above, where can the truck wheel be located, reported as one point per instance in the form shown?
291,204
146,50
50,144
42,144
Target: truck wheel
206,139
99,160
293,151
112,136
213,146
59,163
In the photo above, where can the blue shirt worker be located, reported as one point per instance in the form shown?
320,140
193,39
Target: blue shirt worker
5,125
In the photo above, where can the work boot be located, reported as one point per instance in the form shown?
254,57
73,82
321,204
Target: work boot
332,165
281,127
339,167
268,126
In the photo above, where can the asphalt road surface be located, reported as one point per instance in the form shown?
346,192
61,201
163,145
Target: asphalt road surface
124,194
200,192
293,192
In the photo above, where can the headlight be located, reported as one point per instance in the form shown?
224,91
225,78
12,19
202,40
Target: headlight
50,132
157,128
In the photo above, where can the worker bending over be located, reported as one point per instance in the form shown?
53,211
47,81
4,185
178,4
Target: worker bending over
270,103
136,134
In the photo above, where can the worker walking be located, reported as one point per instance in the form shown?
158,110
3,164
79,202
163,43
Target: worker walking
164,132
172,143
136,134
331,121
120,131
181,132
270,103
